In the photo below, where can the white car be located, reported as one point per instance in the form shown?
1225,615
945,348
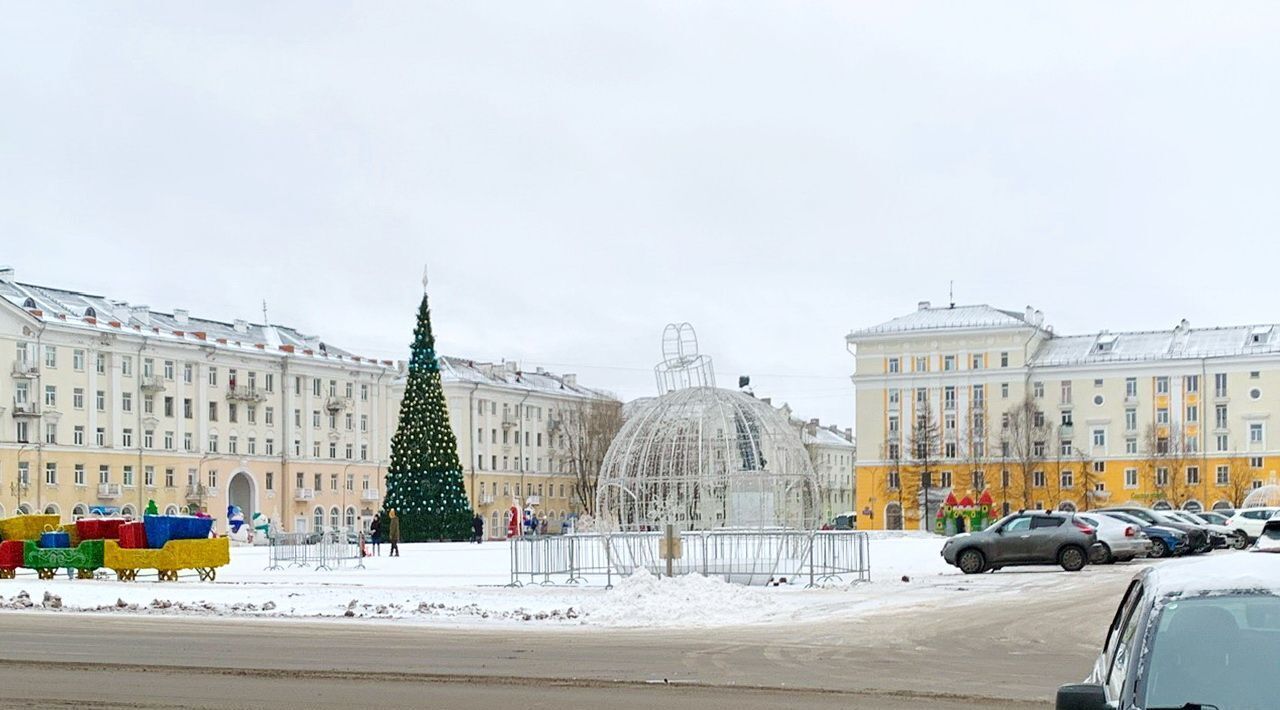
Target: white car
1227,535
1250,521
1118,541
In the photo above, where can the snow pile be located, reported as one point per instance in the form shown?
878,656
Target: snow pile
643,599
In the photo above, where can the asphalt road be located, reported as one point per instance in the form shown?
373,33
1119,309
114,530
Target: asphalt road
1002,651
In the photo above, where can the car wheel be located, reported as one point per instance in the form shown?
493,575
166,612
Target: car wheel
1239,541
1103,555
1072,558
1159,548
971,562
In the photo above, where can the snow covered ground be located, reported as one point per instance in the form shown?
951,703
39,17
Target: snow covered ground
464,584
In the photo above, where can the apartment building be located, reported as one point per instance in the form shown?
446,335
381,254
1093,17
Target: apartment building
833,453
511,430
971,398
107,406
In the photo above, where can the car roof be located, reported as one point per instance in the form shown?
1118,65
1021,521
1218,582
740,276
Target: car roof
1219,573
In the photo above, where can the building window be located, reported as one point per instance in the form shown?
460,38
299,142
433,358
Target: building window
364,393
77,360
979,480
50,473
1220,384
1131,387
1191,383
213,377
944,479
128,476
1099,466
100,437
1004,359
1221,442
126,438
949,397
1065,447
1065,419
1066,391
1220,416
148,439
333,450
1162,415
1131,478
77,435
1193,475
1068,479
1193,414
1221,475
271,481
1162,385
149,476
213,411
213,479
948,362
1255,432
1099,437
922,364
50,433
1130,419
976,362
187,443
50,396
1004,390
1037,479
1255,462
1162,477
895,480
1037,389
213,443
232,412
269,416
252,446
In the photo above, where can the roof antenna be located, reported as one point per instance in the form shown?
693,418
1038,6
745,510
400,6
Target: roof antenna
951,292
264,313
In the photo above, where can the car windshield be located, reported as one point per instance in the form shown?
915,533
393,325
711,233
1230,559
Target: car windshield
1125,517
1214,651
1187,517
1214,518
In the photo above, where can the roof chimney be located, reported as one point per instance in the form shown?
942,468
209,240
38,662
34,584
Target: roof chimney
141,314
181,316
1029,314
1039,318
922,306
570,379
240,326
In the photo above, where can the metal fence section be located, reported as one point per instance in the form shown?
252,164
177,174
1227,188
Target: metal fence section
742,557
327,550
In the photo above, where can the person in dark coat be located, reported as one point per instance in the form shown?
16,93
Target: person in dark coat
393,535
477,529
375,533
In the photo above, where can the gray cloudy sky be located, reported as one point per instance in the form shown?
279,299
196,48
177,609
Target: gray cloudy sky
579,174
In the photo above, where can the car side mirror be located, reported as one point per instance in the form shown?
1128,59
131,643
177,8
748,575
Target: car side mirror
1081,696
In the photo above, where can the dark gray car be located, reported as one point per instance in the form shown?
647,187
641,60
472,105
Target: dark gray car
1028,538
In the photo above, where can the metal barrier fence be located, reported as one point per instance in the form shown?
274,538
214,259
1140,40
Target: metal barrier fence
743,557
325,550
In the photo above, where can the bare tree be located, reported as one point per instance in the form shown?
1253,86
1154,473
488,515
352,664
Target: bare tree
1023,434
1239,479
1088,478
926,441
1166,457
977,453
892,487
588,429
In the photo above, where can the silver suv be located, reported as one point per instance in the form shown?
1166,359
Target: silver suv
1027,538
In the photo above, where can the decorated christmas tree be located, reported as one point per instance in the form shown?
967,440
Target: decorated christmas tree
424,480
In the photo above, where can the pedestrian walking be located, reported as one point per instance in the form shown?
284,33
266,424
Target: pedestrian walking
375,533
477,529
393,534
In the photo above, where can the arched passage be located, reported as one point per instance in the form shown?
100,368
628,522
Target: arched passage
893,517
242,492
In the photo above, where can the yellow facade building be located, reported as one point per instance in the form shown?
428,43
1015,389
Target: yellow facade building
970,398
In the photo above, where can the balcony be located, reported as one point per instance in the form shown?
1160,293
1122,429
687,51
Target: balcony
533,500
151,384
108,491
510,420
302,495
25,369
486,499
25,409
1066,430
336,404
197,493
370,495
243,393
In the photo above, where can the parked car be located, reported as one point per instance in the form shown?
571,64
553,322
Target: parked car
1197,536
1029,538
1117,541
1165,542
1269,540
1217,517
1250,521
845,521
1219,535
1192,635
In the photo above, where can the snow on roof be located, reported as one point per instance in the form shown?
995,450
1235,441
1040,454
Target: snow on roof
954,317
825,437
509,375
1178,343
97,313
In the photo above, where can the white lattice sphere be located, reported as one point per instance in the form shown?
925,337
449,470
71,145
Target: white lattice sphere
704,458
1263,497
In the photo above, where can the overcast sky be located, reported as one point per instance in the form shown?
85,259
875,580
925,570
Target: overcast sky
577,175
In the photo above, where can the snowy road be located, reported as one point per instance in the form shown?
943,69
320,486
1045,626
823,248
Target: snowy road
940,640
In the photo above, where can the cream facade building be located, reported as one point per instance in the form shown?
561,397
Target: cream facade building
1183,417
510,426
108,406
834,455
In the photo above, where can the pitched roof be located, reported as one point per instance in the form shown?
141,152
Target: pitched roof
949,318
1182,342
93,312
509,375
